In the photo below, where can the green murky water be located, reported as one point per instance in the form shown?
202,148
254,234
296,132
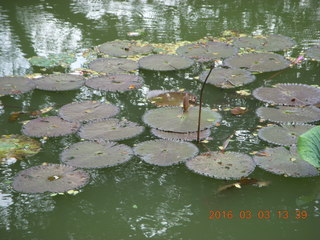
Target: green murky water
136,200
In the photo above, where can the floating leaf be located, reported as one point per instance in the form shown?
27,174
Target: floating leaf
165,152
238,111
171,99
190,136
314,53
125,48
15,85
53,60
59,82
228,165
113,65
309,146
50,178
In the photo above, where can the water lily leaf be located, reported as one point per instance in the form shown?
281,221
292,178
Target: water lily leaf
171,99
52,126
113,65
15,85
174,120
125,48
281,161
228,165
50,178
110,130
96,154
284,114
314,53
165,152
163,62
59,82
309,146
288,94
189,136
284,135
228,77
53,60
258,62
113,83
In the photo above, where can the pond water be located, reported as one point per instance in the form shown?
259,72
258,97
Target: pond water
136,200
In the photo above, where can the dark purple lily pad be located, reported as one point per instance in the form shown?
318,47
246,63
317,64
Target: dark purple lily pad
50,178
165,152
125,48
113,65
228,165
288,94
314,53
15,85
113,83
190,136
52,126
96,155
171,99
59,82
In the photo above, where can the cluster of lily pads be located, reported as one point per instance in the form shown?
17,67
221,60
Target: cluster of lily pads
116,69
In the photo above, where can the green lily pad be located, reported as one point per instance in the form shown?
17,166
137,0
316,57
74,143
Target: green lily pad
59,82
165,152
209,51
171,99
284,135
314,53
163,62
50,178
113,83
228,165
15,85
309,146
281,161
125,48
228,77
258,62
110,130
53,60
113,65
52,126
96,154
190,136
173,119
284,114
288,94
17,146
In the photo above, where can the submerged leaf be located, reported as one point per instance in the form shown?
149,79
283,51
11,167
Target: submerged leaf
309,146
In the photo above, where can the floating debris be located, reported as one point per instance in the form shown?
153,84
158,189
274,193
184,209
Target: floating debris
59,82
189,136
314,53
15,85
113,65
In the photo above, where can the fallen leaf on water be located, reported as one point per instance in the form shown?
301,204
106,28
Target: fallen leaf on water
238,110
132,86
244,92
262,154
205,141
14,116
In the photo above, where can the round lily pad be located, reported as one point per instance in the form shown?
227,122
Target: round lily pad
269,43
288,94
228,77
165,152
50,178
190,136
125,48
171,99
258,62
209,51
113,83
52,126
284,114
281,161
163,62
314,53
18,146
228,165
96,155
87,110
113,65
15,85
285,135
110,130
59,82
53,60
173,119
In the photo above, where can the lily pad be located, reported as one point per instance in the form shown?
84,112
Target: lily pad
209,51
110,130
173,119
228,77
284,135
50,178
163,62
284,114
314,53
269,43
258,62
171,99
309,146
96,155
18,146
165,152
113,65
52,126
59,82
288,94
53,60
113,83
281,161
125,48
15,85
190,136
228,165
87,111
